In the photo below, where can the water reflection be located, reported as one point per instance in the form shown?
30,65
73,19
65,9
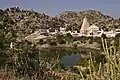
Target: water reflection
67,56
70,60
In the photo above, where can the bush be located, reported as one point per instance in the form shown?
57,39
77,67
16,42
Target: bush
117,40
104,36
59,39
90,41
41,41
69,38
53,43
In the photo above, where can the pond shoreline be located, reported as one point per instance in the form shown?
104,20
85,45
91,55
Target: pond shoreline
69,47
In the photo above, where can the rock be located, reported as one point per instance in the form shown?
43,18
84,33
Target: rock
45,46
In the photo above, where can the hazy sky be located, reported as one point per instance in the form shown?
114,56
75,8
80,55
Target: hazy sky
53,7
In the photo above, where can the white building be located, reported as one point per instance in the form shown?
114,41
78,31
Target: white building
62,30
87,30
117,31
84,27
93,29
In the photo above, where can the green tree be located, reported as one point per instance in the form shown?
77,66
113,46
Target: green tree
69,38
59,39
117,40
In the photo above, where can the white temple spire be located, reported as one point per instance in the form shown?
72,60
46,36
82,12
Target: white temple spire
85,26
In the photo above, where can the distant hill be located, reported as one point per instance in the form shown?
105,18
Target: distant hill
109,24
76,18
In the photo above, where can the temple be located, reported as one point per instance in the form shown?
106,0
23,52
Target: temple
84,27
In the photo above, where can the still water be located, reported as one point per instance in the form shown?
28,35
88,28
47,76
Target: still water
68,56
70,60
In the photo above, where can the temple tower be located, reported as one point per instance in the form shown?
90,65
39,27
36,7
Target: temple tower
84,27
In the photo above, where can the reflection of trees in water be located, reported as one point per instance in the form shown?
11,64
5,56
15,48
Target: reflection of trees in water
54,52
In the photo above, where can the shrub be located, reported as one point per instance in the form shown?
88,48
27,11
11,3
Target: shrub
69,38
117,40
60,39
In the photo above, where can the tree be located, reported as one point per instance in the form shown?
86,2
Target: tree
117,40
69,38
59,39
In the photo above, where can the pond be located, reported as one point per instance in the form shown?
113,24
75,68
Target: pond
68,56
70,60
38,61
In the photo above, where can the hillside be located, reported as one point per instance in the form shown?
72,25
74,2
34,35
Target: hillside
94,17
109,24
19,23
16,23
